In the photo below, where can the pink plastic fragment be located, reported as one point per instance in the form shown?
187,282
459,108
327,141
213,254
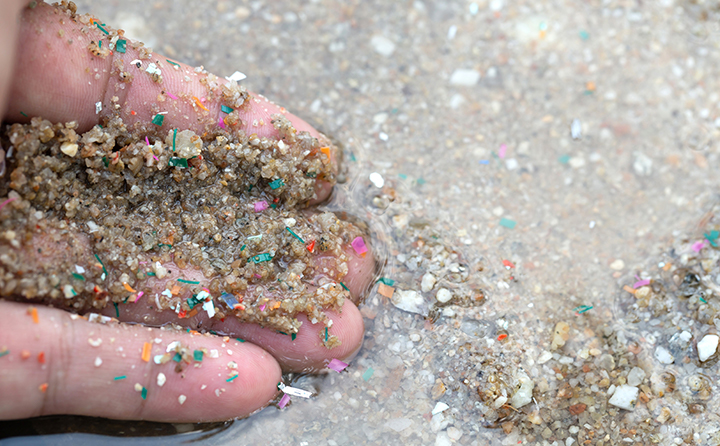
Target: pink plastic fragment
359,245
221,123
501,152
171,95
641,283
284,400
262,307
138,296
147,141
337,365
258,276
261,206
9,200
700,244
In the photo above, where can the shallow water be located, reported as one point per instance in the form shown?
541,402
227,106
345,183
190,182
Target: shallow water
641,79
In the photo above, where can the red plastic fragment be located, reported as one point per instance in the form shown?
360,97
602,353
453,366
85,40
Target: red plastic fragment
311,246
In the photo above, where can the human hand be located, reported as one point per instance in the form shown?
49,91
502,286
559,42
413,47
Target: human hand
56,363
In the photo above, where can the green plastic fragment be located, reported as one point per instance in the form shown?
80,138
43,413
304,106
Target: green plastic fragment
172,63
343,285
264,257
78,276
564,159
192,282
23,113
143,393
277,184
243,248
117,310
101,263
100,44
582,308
420,181
386,281
226,109
198,355
712,237
118,378
507,223
326,334
158,120
4,352
368,374
102,29
311,175
402,176
240,340
177,357
231,378
121,45
178,162
352,157
192,301
293,336
105,161
174,137
584,35
151,274
295,235
703,300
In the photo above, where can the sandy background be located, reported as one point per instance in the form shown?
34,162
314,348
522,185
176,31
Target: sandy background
465,109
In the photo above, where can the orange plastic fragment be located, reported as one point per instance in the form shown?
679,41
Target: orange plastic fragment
199,104
326,151
590,86
192,312
629,289
386,290
43,387
24,354
147,347
175,290
32,311
502,336
41,357
667,266
129,288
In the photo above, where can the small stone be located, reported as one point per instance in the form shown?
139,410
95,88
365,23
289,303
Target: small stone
534,417
428,282
399,424
69,291
636,376
438,390
523,395
443,295
181,399
382,45
161,379
464,77
560,335
707,347
160,271
440,407
664,415
617,265
454,433
577,409
410,301
68,148
98,361
624,397
663,355
377,180
95,342
443,439
544,357
576,129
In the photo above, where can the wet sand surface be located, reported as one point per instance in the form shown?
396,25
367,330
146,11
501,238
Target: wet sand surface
465,112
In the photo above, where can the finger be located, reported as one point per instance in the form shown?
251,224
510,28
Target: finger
9,26
61,75
61,365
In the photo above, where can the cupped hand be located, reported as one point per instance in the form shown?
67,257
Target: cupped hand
146,366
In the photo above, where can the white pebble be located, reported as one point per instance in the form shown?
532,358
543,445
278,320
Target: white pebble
98,361
440,407
161,379
663,355
70,149
95,342
181,399
576,129
636,376
410,301
377,180
624,397
617,265
443,295
428,282
464,77
707,346
382,45
523,395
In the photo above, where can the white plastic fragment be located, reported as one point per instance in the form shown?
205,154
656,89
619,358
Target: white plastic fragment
69,291
544,357
382,45
707,346
237,77
95,342
410,301
663,355
523,395
440,407
181,399
443,295
98,361
624,397
294,391
161,379
98,107
576,129
428,282
153,69
377,180
464,77
172,346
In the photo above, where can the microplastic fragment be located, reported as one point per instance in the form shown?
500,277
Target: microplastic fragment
229,299
699,245
359,245
641,283
102,29
344,287
440,407
284,400
326,334
171,96
260,206
32,311
337,365
41,357
294,391
192,282
4,352
295,235
174,137
564,159
368,374
177,357
43,387
582,309
584,35
158,121
161,378
262,307
198,355
172,63
177,162
507,223
98,107
143,393
95,342
386,281
502,150
377,180
264,257
576,129
6,202
181,399
118,378
277,184
121,46
385,290
712,237
231,379
79,269
147,348
210,308
98,361
226,109
236,76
